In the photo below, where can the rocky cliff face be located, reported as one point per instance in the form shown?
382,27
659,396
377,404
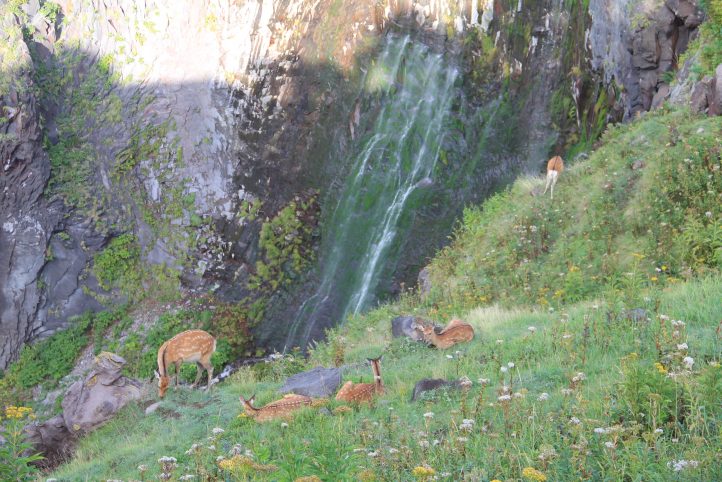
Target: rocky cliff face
184,129
26,218
635,43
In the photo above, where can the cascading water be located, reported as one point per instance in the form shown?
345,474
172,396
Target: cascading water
390,164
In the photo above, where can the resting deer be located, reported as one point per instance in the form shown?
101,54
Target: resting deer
282,408
455,332
186,347
363,392
555,166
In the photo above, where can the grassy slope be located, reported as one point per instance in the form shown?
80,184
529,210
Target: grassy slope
600,227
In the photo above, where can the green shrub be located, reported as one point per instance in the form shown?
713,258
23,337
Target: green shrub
118,265
286,245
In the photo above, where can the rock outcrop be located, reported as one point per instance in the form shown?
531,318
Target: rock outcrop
26,218
87,404
636,43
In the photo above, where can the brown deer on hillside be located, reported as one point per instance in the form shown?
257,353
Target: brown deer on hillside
555,166
282,408
186,347
363,392
455,332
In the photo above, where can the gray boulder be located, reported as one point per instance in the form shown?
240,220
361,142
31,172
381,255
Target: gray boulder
430,384
701,96
320,382
105,390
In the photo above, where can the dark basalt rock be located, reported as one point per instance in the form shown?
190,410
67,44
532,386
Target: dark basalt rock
430,384
320,382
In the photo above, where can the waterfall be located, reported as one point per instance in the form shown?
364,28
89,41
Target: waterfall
390,164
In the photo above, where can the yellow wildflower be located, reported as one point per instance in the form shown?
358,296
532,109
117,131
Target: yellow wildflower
496,480
533,474
18,412
423,471
660,368
367,476
653,278
241,462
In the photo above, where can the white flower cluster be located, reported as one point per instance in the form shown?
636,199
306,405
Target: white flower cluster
484,381
579,377
194,448
680,465
532,329
467,425
678,323
575,421
601,430
688,362
543,397
682,346
504,398
429,415
218,431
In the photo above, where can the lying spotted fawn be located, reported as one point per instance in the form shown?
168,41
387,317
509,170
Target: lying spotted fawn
363,392
282,408
455,332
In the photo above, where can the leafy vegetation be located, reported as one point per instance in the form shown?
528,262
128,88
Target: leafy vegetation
285,242
596,236
51,359
710,38
119,264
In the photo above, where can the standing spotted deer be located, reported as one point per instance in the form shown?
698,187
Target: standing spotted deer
555,166
186,347
282,408
363,392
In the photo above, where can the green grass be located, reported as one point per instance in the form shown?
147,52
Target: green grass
612,227
505,438
617,236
